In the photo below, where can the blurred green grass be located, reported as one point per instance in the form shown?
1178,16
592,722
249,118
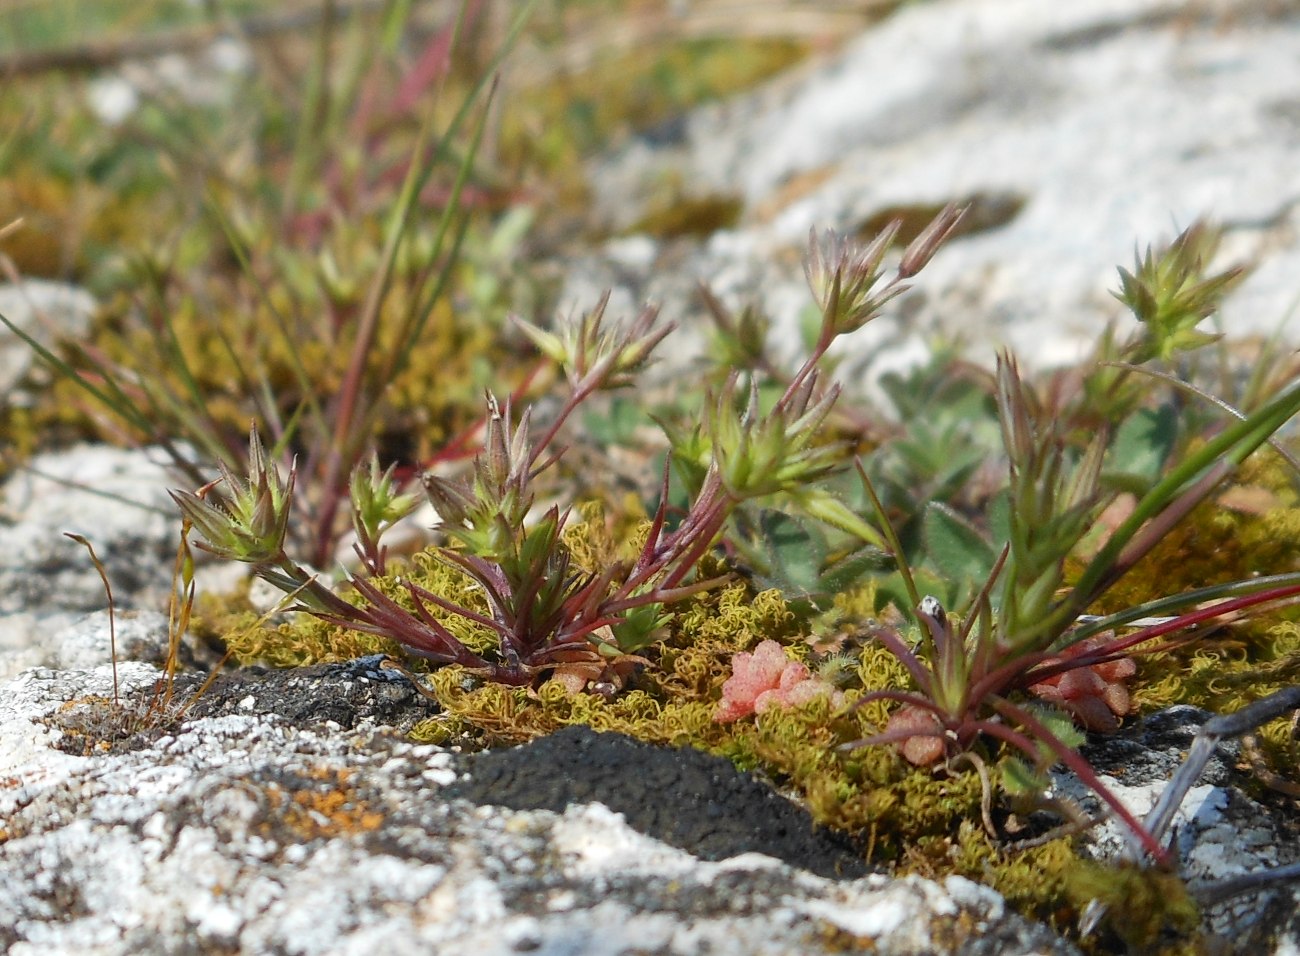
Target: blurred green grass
30,25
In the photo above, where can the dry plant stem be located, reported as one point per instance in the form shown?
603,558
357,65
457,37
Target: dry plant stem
976,762
1212,893
388,664
1214,730
344,412
1076,822
180,607
1259,767
1139,836
112,615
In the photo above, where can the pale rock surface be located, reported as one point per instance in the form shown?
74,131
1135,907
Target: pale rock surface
47,311
207,78
118,500
250,834
1078,130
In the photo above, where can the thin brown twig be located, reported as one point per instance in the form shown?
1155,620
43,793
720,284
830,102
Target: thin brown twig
986,789
389,664
1250,749
1076,822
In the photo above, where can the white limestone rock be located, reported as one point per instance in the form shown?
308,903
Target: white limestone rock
250,834
118,500
47,311
1079,130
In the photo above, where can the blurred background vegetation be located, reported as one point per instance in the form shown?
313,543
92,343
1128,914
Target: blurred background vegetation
207,169
585,75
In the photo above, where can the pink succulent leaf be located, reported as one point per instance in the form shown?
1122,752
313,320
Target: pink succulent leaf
1047,691
811,689
1121,669
1081,683
925,748
1093,714
767,700
794,674
1117,699
767,678
1095,695
732,710
753,673
768,662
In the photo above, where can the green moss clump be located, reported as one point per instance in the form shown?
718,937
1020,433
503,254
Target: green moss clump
296,644
497,714
1223,541
1147,910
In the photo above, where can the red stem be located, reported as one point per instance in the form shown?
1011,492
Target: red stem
1072,759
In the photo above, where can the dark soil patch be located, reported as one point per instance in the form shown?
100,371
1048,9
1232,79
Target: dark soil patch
684,797
347,695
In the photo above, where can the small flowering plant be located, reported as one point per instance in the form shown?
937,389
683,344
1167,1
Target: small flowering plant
544,611
547,614
1026,631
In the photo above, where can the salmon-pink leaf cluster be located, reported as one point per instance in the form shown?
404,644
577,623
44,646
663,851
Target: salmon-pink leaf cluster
767,677
1095,695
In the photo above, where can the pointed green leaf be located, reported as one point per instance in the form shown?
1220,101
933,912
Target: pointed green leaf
955,546
1141,448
